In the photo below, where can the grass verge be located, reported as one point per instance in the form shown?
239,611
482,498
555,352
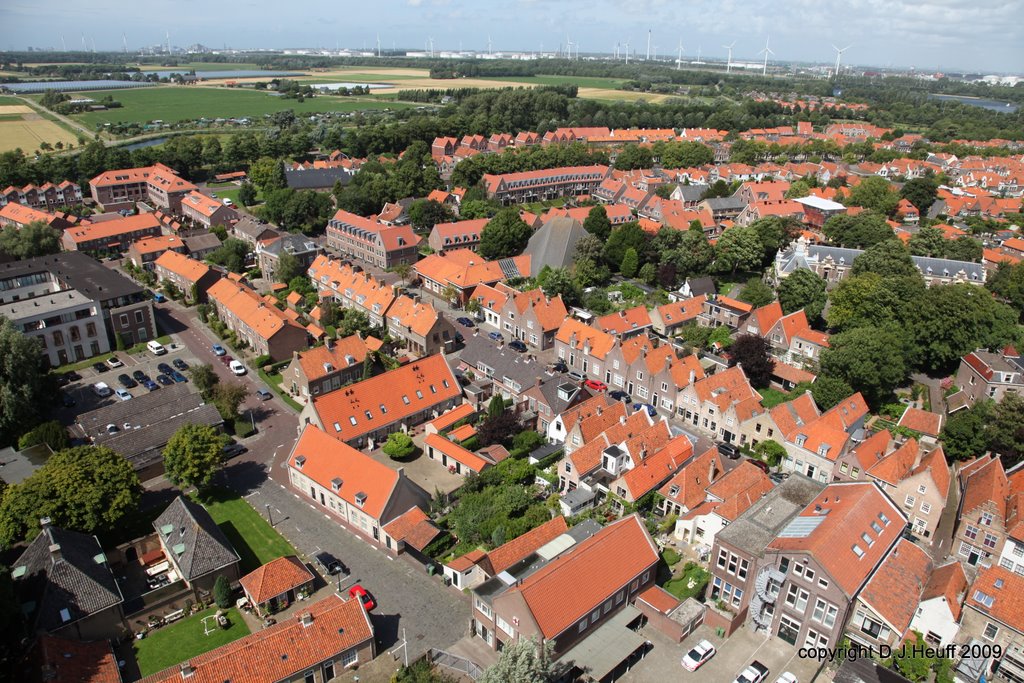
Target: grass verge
186,639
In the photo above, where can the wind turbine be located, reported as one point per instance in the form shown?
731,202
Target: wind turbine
62,43
648,58
124,40
839,54
627,52
488,44
378,46
766,51
679,59
728,64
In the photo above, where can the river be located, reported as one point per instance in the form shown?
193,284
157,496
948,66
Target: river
992,105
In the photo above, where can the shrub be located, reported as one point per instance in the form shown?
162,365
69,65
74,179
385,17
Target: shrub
399,446
670,556
222,592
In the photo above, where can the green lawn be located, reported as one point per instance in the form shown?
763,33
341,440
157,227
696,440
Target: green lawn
5,100
255,540
178,103
773,397
185,639
274,382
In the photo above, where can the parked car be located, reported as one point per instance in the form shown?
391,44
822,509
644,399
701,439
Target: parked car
264,395
577,377
357,591
517,345
165,380
226,359
595,384
150,384
496,336
164,369
465,322
728,450
72,376
156,348
100,367
759,464
140,376
123,394
330,564
178,377
620,395
755,673
778,477
559,366
114,362
127,382
180,364
101,389
651,410
218,350
787,677
233,450
698,656
159,298
237,367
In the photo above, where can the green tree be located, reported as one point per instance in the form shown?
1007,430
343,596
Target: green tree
399,446
753,353
496,406
1008,284
630,262
33,239
560,282
51,433
247,194
231,255
525,661
648,274
803,289
757,293
858,232
228,397
212,151
871,360
875,193
267,174
921,192
929,241
622,238
694,255
403,270
421,671
26,388
222,592
888,259
950,321
193,455
426,213
288,267
964,248
505,235
597,223
354,321
1006,429
204,379
85,488
870,299
798,189
776,233
738,249
771,451
499,429
827,392
965,434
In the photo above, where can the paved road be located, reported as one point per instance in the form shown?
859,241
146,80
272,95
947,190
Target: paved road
430,614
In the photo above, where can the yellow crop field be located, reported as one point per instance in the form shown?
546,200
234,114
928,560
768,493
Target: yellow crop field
29,132
15,109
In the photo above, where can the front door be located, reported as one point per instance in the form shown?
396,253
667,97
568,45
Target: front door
973,558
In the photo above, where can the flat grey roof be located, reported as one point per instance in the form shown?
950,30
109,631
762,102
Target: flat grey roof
766,518
144,446
17,466
606,648
45,305
142,410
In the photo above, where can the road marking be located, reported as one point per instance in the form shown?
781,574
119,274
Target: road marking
254,493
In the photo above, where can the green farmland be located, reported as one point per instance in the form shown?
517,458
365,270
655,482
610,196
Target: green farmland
581,81
177,103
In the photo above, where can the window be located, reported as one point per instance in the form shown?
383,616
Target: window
857,550
124,320
483,607
877,529
986,518
349,658
991,630
1018,550
844,468
867,539
808,573
138,316
583,625
922,489
723,558
984,599
823,583
910,501
990,541
971,532
819,610
925,507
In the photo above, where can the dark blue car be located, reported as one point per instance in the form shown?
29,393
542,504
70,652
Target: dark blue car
651,410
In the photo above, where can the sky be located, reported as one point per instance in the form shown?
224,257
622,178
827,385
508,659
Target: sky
930,35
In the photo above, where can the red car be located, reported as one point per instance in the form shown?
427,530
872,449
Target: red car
357,591
596,385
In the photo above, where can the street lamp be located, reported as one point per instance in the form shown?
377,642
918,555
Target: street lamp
269,519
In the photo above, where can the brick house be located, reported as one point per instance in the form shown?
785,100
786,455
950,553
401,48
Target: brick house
718,310
269,252
985,374
327,368
206,211
194,278
113,235
145,252
529,186
195,546
366,240
993,614
719,404
463,270
158,185
475,567
532,317
814,448
726,498
459,235
257,322
652,374
277,584
584,349
983,514
668,319
350,487
939,613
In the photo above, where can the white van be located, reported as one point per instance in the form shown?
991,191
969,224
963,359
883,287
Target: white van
101,389
156,348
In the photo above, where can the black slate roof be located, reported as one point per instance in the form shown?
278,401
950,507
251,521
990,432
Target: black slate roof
196,544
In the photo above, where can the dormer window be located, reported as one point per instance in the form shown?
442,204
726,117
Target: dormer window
336,484
300,461
360,498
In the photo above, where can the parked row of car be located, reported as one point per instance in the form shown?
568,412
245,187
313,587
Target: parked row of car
756,672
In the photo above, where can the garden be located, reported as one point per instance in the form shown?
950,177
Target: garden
249,533
187,638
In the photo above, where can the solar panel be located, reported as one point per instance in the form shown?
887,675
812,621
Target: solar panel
509,268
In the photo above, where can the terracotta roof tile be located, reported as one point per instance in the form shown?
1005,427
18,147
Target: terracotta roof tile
456,452
71,661
949,582
466,269
114,228
183,266
896,466
464,562
935,463
765,317
660,599
922,421
344,353
738,489
690,483
625,321
600,342
275,578
986,483
680,312
414,527
265,320
1006,590
450,417
594,405
665,455
895,590
872,449
283,651
507,554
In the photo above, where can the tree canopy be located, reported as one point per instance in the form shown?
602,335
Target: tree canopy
888,258
33,239
738,248
26,388
871,360
597,223
505,235
525,661
424,214
85,488
858,232
803,289
753,353
193,456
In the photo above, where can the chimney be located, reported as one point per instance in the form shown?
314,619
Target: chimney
187,670
328,342
693,376
306,619
55,552
711,471
622,419
44,522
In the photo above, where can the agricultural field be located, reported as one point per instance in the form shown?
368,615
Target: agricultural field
23,128
581,81
177,103
200,66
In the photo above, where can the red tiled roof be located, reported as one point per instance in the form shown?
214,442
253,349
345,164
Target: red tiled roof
183,266
264,319
766,317
949,582
922,421
790,373
895,590
201,203
738,489
275,578
62,660
661,462
315,361
625,321
595,405
607,432
872,449
414,527
986,483
450,417
460,434
507,554
660,599
600,342
464,562
283,651
466,269
935,463
570,586
456,452
389,397
679,312
1007,591
852,506
150,245
108,229
327,460
896,466
418,316
690,483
